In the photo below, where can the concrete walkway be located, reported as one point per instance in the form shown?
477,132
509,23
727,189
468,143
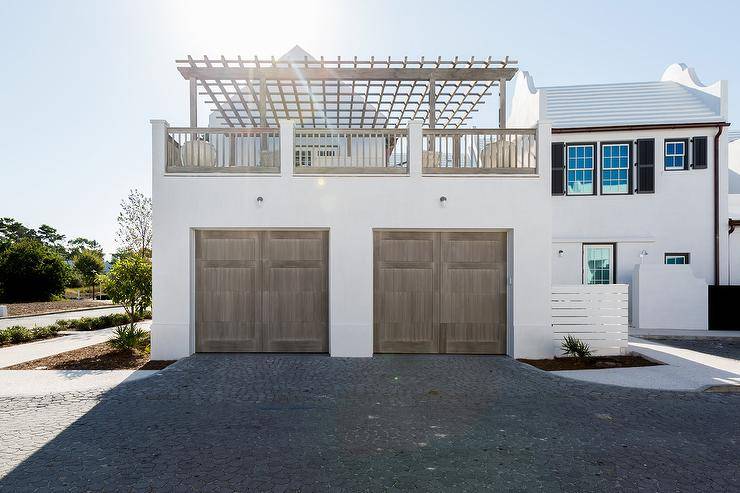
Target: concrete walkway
19,383
684,369
20,353
50,318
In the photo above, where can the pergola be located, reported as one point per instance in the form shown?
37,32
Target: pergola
345,93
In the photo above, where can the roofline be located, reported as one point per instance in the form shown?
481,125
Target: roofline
657,126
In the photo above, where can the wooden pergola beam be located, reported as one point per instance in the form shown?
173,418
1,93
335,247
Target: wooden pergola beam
298,73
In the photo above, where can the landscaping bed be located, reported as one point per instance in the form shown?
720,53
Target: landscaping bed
18,334
592,363
97,357
42,307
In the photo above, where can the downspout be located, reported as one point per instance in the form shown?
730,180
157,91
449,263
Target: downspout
716,204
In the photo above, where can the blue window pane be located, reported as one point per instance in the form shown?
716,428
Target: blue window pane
607,151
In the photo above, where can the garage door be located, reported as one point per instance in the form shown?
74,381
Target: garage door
439,292
261,291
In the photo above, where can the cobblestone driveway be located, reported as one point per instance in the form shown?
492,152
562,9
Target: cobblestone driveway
237,422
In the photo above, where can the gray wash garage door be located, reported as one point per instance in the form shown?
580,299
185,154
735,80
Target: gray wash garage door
439,292
261,291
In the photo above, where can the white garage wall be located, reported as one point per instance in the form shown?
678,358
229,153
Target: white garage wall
351,207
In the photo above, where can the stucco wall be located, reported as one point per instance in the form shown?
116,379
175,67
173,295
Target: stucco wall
351,206
678,217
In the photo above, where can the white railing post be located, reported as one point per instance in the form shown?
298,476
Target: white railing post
159,146
543,140
415,147
287,152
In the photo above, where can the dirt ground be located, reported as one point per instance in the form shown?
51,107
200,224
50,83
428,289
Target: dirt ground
96,357
41,307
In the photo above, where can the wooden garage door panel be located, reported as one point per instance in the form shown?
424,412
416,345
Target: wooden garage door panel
473,293
440,292
261,291
295,296
404,292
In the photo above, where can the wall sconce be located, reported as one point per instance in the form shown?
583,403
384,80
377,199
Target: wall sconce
260,200
442,201
561,253
643,254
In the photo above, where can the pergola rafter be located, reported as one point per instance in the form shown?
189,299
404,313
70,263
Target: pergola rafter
345,93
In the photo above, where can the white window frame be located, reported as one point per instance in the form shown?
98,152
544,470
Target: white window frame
684,155
612,259
593,147
603,170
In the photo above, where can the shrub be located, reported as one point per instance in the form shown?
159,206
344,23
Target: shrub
17,334
572,346
129,338
30,271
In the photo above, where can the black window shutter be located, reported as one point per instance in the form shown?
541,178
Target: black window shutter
699,154
645,166
557,154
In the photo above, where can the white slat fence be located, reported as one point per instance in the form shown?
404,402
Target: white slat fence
595,313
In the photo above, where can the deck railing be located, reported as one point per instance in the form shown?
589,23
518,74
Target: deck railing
479,151
352,151
358,151
220,150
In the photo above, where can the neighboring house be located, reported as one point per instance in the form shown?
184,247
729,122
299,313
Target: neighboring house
344,206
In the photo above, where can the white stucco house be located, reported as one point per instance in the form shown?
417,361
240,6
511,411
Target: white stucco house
349,206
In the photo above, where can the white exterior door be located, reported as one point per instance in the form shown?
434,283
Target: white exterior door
598,264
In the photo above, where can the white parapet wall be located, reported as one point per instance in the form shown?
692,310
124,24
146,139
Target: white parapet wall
668,297
595,313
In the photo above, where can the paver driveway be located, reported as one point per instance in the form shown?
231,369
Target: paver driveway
237,422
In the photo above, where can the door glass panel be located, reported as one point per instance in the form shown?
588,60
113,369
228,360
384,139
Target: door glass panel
597,264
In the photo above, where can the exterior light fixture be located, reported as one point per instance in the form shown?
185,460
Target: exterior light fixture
560,253
260,200
442,200
643,254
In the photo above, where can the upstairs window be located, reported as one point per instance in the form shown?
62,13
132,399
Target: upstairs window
615,165
675,154
676,258
303,157
580,169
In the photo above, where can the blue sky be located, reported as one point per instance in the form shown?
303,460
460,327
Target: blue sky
82,79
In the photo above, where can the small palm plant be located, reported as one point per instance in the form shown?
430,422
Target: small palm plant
572,346
129,338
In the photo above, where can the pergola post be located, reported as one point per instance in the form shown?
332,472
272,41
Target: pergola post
432,95
193,102
263,112
502,103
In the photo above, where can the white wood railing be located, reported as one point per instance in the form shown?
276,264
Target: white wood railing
381,150
203,150
598,314
480,151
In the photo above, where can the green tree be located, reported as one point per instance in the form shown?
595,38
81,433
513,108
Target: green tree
78,244
129,283
12,231
30,271
89,264
50,237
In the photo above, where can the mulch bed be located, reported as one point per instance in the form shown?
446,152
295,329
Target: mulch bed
595,363
41,307
97,357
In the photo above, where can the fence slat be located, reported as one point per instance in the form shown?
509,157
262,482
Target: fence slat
596,314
